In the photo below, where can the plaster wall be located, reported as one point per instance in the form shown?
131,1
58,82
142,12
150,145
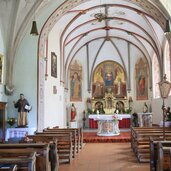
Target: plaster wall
107,52
55,113
157,109
25,78
3,97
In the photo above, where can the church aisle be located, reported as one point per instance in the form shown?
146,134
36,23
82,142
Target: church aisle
105,157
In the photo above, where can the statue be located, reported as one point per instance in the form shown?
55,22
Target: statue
73,112
23,107
145,108
168,114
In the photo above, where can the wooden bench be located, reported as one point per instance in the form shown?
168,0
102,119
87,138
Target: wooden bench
159,150
74,137
9,167
25,161
43,150
140,141
79,133
64,143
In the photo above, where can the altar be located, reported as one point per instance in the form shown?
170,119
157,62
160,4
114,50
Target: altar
106,124
124,123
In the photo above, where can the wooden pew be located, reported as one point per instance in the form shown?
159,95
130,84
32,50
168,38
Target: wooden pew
43,150
140,141
64,143
164,158
25,161
10,167
75,142
79,132
154,145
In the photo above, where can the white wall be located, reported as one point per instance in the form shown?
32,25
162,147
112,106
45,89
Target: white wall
25,78
55,110
157,109
3,97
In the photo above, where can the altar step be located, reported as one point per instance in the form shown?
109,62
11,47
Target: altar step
91,137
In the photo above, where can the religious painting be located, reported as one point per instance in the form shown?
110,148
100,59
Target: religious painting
141,80
53,65
75,81
1,68
109,77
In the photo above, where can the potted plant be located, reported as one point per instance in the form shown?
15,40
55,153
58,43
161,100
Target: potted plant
11,121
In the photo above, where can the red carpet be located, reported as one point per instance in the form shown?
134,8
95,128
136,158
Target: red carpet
91,137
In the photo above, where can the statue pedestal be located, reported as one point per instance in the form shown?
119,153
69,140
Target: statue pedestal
73,124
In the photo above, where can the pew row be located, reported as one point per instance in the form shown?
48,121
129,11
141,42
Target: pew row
64,145
140,142
8,167
74,138
25,161
45,153
79,133
160,156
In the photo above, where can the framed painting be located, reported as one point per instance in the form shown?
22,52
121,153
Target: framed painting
1,69
53,65
141,81
75,82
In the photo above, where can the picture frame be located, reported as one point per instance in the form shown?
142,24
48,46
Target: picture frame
53,64
141,80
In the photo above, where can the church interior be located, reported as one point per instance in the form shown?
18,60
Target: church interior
86,65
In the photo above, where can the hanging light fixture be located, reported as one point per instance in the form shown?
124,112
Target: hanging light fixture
34,30
164,87
168,29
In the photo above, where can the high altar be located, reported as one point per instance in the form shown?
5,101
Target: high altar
106,124
109,91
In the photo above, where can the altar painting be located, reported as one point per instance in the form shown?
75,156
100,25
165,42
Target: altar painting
141,80
75,82
109,77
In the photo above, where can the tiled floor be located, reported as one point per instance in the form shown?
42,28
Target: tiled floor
105,157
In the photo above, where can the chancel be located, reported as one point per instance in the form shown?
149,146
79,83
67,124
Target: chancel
90,76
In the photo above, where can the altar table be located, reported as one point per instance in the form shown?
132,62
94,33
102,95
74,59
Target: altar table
106,125
124,123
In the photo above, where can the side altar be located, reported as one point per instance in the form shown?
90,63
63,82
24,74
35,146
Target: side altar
106,124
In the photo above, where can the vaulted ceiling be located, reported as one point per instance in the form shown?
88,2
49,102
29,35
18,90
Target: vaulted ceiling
140,22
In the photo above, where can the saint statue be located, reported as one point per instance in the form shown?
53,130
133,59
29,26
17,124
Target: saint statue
73,112
145,108
23,107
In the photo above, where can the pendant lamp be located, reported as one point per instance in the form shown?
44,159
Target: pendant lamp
168,29
34,31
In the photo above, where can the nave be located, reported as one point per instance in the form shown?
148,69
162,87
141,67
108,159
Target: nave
105,157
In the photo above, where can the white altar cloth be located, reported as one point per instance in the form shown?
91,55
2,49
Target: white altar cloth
108,117
18,132
106,124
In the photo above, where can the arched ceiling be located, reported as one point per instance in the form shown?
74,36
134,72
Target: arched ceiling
140,22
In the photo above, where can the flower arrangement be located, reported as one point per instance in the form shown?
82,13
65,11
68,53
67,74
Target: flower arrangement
11,121
115,118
